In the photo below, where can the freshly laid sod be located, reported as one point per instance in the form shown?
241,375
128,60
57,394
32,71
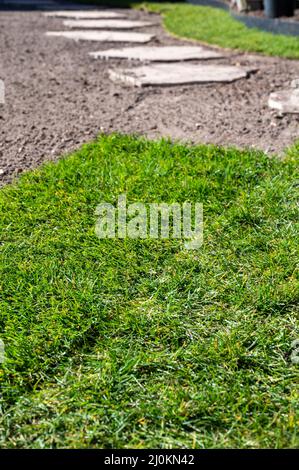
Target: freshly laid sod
142,343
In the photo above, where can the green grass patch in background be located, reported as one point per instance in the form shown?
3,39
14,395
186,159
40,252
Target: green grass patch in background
217,27
141,343
214,26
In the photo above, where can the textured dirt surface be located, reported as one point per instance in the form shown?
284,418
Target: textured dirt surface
58,97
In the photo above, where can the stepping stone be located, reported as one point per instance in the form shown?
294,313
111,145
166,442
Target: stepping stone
2,92
158,54
103,36
285,101
106,24
178,74
86,14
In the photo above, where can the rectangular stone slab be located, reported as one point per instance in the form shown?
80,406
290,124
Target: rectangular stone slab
158,54
2,92
86,14
103,36
106,24
285,101
177,74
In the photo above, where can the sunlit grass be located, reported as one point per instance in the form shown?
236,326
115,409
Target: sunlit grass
141,343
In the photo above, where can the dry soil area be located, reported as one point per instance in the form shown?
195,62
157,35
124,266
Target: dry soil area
58,97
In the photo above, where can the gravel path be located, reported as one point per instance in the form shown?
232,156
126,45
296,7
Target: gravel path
58,97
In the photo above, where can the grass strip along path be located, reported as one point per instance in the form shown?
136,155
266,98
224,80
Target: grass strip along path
217,27
213,26
141,343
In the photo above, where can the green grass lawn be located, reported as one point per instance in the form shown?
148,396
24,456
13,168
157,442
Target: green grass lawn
214,26
142,343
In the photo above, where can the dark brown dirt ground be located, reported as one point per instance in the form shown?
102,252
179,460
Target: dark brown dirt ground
57,97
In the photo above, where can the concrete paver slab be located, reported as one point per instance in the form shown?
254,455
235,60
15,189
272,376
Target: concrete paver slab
106,24
159,54
285,101
85,14
178,74
103,36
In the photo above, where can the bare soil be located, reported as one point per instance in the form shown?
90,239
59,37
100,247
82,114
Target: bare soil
58,97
